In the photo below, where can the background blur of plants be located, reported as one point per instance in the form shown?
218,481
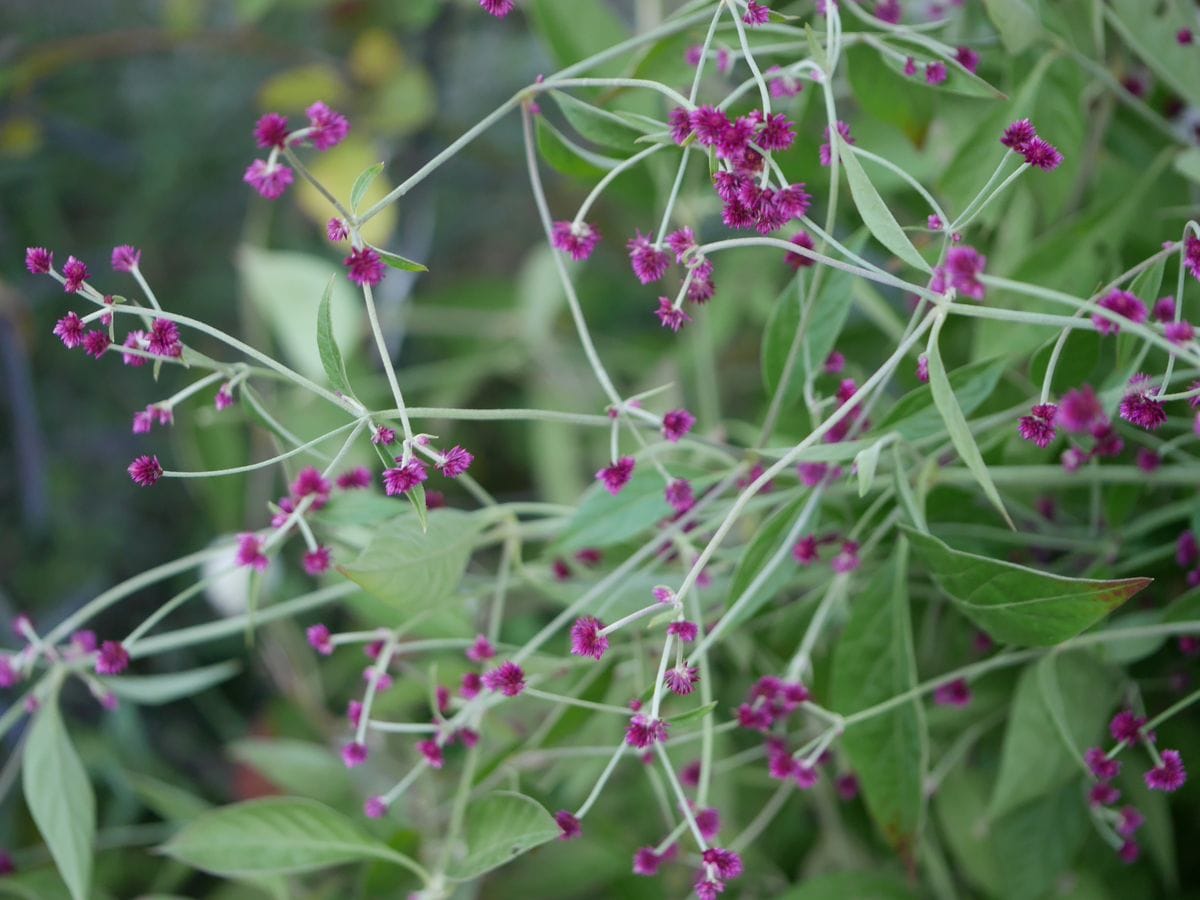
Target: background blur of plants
124,121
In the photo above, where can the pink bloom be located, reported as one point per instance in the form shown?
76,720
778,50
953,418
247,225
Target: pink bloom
643,731
776,132
1191,257
383,435
75,271
847,558
112,659
455,462
690,776
1018,135
310,481
1139,407
135,340
847,786
964,265
1043,155
329,128
649,264
835,362
681,680
164,339
706,888
568,825
84,641
270,180
145,471
497,8
1129,852
354,754
470,686
586,639
320,639
923,369
364,267
1123,304
1131,820
934,223
669,316
967,58
249,552
800,260
38,260
1126,727
375,808
223,399
681,124
1038,426
482,649
1103,768
8,675
1179,332
507,679
1079,410
1184,36
646,861
125,258
805,776
69,329
726,863
910,67
432,753
270,131
1103,794
805,552
337,230
955,693
404,477
756,14
1170,775
935,72
317,561
616,476
1147,460
577,241
676,424
685,631
826,153
359,477
1164,309
709,125
354,712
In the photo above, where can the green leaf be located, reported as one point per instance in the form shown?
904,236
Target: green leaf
297,767
960,805
1019,26
275,835
1018,605
956,422
1187,164
959,79
1149,31
866,462
914,416
766,543
413,569
851,886
576,30
60,798
36,884
155,690
603,520
695,714
1033,845
875,213
873,662
416,497
599,125
361,184
1061,698
569,158
166,800
501,827
327,346
396,261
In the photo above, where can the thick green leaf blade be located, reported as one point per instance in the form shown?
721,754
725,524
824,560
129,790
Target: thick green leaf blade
567,157
396,261
603,520
1033,845
362,183
410,568
875,213
914,416
1018,24
327,346
956,423
60,798
598,125
873,662
1018,605
500,827
298,767
155,690
274,835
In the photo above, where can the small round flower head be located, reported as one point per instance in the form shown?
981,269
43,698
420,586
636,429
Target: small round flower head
1147,460
681,124
249,552
164,339
806,551
75,273
800,260
649,264
1123,304
935,72
1138,406
1079,410
269,179
9,675
470,686
1073,459
84,641
455,462
1108,442
375,808
381,680
586,639
1129,852
756,14
834,363
726,863
223,399
310,481
320,639
355,479
955,693
364,267
669,316
1038,426
38,260
646,862
480,650
317,561
681,680
497,8
644,731
577,241
1187,549
1191,256
135,340
1126,727
707,888
125,258
1184,36
1018,135
145,471
271,130
776,132
329,128
1180,332
1103,768
676,424
1043,155
663,595
679,495
432,753
1131,820
1103,794
1170,775
967,58
69,329
383,435
616,476
404,477
709,125
568,825
337,230
1164,309
111,659
354,754
826,152
923,369
683,630
964,265
847,558
507,679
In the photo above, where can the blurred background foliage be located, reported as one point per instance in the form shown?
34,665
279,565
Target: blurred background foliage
128,121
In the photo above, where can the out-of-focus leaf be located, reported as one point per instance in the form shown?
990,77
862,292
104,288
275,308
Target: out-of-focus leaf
1034,844
1187,164
327,346
155,690
875,213
766,544
362,183
851,886
500,827
694,714
294,89
597,125
338,170
603,520
167,800
1017,23
298,767
569,158
36,884
579,29
914,415
1149,29
396,261
1018,605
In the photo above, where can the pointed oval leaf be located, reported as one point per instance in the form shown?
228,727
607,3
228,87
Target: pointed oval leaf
875,213
396,261
1018,605
598,125
501,827
327,346
603,520
60,798
361,184
155,690
758,555
914,415
1019,26
569,158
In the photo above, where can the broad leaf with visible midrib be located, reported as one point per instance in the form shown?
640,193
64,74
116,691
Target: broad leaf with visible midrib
1018,605
499,828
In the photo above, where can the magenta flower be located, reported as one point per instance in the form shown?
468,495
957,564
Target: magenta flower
644,731
1147,460
676,424
69,329
726,863
826,153
681,680
647,862
935,72
1129,852
135,340
669,316
1187,549
75,271
1191,257
432,753
1138,407
375,808
967,58
383,435
756,14
1164,309
847,558
320,639
1179,332
249,552
310,481
269,179
354,754
404,477
1018,135
1126,727
923,369
776,131
681,124
679,495
507,679
568,825
799,260
329,128
702,289
164,339
706,888
354,479
1103,794
733,142
1169,775
888,11
38,260
271,130
709,125
577,241
497,8
364,267
1131,820
337,230
1038,426
1043,155
455,462
145,471
586,639
806,551
835,362
1184,36
954,693
934,223
963,267
479,651
617,475
1123,304
648,263
683,630
125,258
223,399
317,561
1079,410
112,659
